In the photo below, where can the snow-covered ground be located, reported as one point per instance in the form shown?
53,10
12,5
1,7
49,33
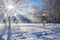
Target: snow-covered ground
32,32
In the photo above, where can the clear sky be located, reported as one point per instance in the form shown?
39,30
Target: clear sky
31,3
35,2
40,4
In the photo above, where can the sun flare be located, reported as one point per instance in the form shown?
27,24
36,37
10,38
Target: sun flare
10,6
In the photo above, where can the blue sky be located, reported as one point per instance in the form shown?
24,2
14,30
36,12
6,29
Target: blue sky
36,3
40,3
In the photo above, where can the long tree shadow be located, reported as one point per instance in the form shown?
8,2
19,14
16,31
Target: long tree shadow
2,34
9,34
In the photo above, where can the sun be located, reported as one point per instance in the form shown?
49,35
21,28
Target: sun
10,6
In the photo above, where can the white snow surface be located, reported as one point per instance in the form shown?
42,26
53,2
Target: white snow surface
32,32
